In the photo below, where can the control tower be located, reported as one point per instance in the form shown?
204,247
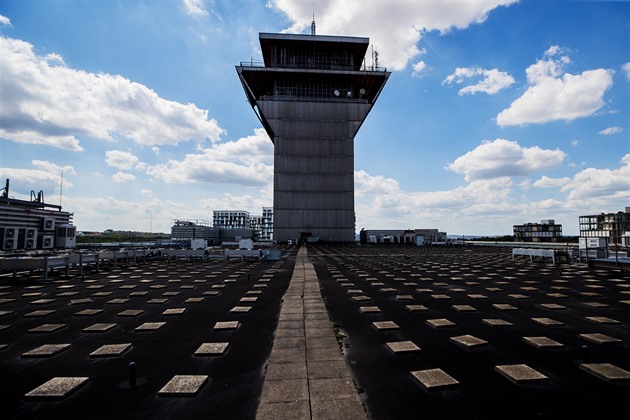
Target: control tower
311,94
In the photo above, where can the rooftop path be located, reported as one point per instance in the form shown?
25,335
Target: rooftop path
306,374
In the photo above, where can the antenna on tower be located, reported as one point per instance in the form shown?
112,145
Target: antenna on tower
313,22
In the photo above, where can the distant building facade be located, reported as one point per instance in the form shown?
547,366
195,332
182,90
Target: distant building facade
401,236
545,231
262,225
231,219
612,226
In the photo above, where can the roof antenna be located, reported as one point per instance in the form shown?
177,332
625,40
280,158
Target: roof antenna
313,22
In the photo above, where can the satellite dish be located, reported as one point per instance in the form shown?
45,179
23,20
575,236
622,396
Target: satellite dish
362,91
336,92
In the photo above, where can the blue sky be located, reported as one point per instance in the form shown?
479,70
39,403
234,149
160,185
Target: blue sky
496,112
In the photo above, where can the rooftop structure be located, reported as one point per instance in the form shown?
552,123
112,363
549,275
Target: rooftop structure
34,224
312,94
545,231
611,226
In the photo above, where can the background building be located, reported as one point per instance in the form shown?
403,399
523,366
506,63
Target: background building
606,225
231,219
545,231
402,236
312,95
263,224
34,224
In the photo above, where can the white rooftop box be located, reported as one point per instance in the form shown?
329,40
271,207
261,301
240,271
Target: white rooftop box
592,243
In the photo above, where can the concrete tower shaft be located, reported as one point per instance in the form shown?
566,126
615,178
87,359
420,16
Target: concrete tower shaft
312,95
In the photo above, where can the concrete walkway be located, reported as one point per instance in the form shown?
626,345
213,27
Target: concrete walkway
306,374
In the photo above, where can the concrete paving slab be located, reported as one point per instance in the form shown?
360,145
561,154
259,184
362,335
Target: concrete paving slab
385,325
285,390
547,322
39,313
286,370
111,350
99,327
440,323
369,309
402,347
468,341
131,312
46,350
520,373
226,325
599,338
117,301
603,320
347,409
334,368
553,306
150,326
543,342
157,301
174,311
298,410
607,372
83,301
88,312
57,388
464,308
327,389
46,328
38,301
495,322
211,349
183,386
434,379
195,300
416,308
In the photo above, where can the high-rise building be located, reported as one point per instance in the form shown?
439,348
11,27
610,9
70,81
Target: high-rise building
311,94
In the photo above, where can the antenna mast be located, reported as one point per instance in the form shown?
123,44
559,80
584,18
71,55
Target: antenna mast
61,188
313,22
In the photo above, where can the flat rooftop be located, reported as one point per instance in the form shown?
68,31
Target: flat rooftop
423,332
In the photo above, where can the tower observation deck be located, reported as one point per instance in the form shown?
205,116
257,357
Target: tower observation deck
311,94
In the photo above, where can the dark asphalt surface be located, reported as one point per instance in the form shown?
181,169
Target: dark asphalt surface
390,392
383,379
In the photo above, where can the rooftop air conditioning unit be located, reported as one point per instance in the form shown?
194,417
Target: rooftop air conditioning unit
8,236
27,238
47,241
48,223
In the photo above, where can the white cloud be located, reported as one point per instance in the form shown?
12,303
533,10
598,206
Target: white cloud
546,182
45,102
574,142
45,177
418,68
610,131
195,7
247,161
500,158
492,82
626,69
5,21
555,95
121,160
122,177
610,186
394,27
